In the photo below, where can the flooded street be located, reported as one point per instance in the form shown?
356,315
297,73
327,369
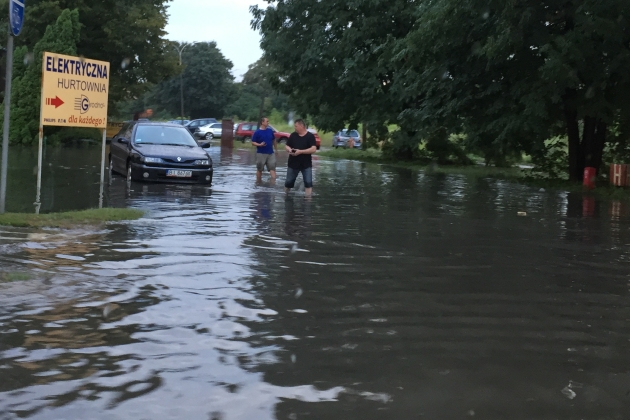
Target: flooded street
391,294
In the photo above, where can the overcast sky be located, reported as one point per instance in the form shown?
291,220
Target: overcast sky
224,21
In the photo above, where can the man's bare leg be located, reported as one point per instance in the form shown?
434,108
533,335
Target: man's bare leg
308,191
258,176
273,174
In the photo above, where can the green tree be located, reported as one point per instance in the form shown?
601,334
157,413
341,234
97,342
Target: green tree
208,83
128,35
62,38
508,74
255,96
246,103
516,72
334,58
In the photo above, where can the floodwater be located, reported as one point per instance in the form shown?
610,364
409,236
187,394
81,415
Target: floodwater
391,294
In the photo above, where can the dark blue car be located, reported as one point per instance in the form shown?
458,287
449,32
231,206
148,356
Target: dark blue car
160,152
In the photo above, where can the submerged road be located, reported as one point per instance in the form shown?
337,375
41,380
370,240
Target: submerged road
391,294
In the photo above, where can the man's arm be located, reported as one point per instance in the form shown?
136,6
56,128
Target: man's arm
255,139
275,145
308,151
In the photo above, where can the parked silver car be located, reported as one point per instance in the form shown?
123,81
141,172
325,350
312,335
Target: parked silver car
180,122
209,131
342,138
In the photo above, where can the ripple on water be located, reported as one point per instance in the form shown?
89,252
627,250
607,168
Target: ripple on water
390,291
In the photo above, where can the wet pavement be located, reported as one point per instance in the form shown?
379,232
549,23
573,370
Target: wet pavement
391,294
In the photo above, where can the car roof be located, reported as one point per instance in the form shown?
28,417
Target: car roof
165,123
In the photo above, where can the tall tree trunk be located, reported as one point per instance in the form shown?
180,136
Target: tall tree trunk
600,142
364,144
593,142
576,164
588,141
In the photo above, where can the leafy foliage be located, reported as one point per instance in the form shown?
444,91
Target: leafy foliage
62,38
507,74
208,83
334,58
255,96
550,160
129,35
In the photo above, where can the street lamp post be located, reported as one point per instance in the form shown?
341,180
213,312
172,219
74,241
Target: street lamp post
180,49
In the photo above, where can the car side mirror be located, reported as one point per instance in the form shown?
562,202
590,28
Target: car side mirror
123,140
205,145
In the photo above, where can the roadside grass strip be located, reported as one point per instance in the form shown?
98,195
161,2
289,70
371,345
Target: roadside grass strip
70,219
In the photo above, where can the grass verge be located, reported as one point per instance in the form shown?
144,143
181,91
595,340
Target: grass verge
375,156
603,188
69,219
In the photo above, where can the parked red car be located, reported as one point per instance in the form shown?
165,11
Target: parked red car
318,141
245,131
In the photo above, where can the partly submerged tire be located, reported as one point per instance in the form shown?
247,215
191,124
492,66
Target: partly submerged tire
208,136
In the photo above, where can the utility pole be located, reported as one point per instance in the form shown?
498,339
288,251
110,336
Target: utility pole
180,49
16,21
5,127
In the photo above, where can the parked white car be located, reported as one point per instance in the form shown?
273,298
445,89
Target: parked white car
209,131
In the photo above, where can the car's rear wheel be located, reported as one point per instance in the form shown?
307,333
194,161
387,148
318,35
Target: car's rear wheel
208,136
129,177
246,139
317,147
110,171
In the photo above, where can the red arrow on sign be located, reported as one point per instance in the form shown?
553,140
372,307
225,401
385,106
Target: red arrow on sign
56,101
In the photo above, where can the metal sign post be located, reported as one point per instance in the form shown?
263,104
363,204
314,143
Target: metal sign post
103,149
16,21
74,94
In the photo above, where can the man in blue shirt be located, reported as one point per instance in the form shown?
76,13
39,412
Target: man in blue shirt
267,148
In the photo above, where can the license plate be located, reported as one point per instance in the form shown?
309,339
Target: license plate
179,174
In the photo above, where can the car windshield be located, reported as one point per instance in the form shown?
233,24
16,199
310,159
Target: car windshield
163,134
351,133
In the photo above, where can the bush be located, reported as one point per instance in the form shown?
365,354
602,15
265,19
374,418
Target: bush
446,149
551,160
402,146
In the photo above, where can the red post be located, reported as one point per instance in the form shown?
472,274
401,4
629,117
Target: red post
589,177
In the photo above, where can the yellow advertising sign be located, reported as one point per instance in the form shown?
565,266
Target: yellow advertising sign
74,91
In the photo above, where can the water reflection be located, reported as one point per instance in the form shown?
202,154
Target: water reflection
390,294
